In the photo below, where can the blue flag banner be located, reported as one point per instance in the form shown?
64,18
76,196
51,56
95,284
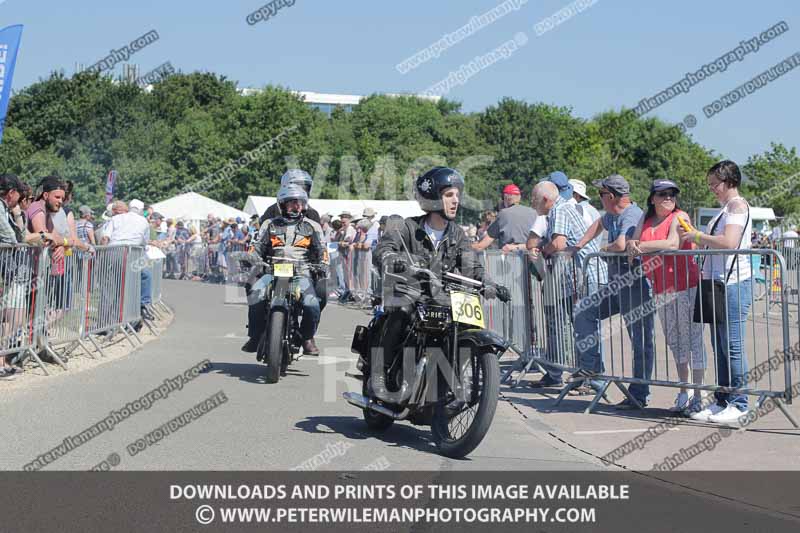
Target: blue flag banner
9,44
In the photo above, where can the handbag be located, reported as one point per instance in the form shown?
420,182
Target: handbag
711,302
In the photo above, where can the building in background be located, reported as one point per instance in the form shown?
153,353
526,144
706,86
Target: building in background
327,102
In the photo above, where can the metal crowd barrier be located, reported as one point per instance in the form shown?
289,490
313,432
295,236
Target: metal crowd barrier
789,248
52,303
661,324
512,320
18,277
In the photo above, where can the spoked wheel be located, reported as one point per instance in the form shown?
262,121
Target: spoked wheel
275,344
459,427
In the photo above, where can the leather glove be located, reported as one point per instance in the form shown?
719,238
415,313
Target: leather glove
397,265
491,292
503,294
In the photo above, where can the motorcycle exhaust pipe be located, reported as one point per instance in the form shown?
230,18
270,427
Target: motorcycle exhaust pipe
360,401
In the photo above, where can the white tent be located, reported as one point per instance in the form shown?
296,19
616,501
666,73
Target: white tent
194,208
256,205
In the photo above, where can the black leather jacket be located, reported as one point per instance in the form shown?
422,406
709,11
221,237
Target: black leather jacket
454,253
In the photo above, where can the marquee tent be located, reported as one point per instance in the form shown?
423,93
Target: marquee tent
194,208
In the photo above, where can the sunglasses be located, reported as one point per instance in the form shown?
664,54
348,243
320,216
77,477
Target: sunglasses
666,194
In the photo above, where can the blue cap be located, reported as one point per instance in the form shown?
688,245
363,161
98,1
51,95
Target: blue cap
664,185
559,179
239,220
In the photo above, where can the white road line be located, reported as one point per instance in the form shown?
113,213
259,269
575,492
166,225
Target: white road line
605,431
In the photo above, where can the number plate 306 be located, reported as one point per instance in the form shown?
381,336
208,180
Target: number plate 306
467,309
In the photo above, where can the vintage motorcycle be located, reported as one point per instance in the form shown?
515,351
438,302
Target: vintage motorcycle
280,344
448,376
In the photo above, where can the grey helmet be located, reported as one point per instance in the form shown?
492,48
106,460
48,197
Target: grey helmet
292,192
298,177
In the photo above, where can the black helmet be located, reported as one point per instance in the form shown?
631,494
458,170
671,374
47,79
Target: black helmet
431,184
292,192
299,177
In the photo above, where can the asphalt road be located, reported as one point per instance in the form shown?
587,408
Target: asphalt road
260,426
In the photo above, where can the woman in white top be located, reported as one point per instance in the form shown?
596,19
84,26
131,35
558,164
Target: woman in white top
730,229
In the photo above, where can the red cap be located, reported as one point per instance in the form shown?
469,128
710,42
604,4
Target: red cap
511,189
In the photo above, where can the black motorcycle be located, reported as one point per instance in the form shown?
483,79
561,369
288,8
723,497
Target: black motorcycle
448,376
281,342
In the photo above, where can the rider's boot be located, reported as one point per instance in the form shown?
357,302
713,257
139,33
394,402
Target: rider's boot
310,347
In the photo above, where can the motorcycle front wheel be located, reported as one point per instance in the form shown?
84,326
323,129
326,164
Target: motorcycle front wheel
275,344
459,428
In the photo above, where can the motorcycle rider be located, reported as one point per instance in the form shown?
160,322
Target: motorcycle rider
302,178
435,241
294,236
299,177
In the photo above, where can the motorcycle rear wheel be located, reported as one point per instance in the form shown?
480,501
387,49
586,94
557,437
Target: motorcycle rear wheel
375,421
457,433
275,344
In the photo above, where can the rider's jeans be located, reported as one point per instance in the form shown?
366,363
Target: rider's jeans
257,308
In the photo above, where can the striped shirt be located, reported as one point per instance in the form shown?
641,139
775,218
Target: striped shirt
564,219
83,227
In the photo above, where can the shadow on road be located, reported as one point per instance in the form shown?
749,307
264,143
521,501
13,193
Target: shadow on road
250,372
400,435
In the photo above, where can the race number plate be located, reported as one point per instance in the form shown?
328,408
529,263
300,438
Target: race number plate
467,309
283,270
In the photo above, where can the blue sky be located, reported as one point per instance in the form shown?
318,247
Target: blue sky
613,53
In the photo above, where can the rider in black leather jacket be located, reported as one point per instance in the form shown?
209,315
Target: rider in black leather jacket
433,241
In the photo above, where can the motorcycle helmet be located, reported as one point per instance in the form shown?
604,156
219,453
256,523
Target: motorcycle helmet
292,192
298,177
430,185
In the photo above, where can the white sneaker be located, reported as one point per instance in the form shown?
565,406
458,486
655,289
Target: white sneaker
729,415
693,406
681,402
707,413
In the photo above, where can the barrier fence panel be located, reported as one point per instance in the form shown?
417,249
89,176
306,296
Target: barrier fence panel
65,289
510,320
18,273
135,266
52,301
361,276
789,248
157,268
618,340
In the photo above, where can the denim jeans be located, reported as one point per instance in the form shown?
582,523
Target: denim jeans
147,279
258,306
728,341
629,301
340,275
